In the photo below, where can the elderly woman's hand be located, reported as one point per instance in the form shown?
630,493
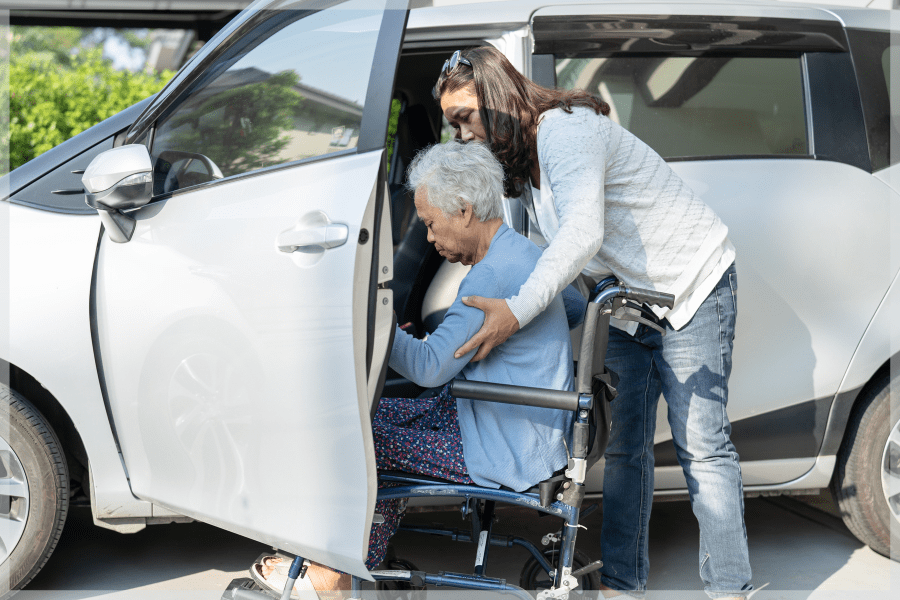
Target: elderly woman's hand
499,324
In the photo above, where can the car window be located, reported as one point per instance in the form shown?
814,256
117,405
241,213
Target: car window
709,106
292,88
873,54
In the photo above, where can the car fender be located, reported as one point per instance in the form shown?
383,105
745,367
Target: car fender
50,276
879,345
880,341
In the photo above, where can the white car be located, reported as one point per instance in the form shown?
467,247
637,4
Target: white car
207,280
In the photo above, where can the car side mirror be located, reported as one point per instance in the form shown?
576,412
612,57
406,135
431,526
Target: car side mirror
175,169
117,180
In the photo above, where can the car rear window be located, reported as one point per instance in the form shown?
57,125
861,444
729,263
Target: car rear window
707,106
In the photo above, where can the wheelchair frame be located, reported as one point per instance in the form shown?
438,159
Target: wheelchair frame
560,496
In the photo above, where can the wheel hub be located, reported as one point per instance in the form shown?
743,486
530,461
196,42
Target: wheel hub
14,500
890,471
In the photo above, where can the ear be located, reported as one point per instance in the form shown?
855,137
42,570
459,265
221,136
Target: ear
467,214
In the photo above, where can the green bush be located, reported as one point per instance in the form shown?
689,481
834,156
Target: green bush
392,130
53,97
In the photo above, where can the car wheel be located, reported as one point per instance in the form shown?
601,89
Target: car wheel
866,482
34,491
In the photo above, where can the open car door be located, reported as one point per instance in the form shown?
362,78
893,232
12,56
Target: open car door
242,329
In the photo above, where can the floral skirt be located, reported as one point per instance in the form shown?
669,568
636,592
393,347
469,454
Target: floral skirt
414,435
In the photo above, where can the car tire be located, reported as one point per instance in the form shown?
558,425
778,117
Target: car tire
32,462
857,483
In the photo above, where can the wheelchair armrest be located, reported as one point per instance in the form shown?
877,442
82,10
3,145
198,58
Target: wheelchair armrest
514,394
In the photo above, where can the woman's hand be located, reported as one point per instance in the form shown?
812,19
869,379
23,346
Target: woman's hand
499,324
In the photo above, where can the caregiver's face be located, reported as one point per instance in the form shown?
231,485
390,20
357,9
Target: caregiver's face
448,233
461,110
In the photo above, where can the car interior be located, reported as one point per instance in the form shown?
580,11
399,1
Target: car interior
420,124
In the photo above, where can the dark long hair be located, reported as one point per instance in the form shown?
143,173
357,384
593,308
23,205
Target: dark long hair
509,106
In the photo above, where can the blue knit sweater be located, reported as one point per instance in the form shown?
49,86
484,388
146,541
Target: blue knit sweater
503,444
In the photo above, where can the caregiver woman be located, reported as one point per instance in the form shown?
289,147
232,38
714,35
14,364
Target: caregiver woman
607,203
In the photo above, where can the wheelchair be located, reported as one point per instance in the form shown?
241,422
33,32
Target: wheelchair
561,495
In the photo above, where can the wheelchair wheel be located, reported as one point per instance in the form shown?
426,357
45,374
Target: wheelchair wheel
399,590
534,578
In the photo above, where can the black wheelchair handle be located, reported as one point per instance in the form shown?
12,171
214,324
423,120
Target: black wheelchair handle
651,297
514,394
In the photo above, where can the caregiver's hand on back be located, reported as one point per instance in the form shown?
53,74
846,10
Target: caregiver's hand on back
499,324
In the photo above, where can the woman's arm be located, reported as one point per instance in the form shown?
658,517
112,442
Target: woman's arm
572,151
431,362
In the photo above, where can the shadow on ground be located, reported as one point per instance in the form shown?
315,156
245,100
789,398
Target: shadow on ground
797,553
92,558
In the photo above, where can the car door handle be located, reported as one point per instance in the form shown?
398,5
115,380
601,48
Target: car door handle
327,236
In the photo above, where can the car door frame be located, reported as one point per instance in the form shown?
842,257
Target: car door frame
373,134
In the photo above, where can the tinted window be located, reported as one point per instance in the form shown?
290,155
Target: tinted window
291,88
872,56
699,106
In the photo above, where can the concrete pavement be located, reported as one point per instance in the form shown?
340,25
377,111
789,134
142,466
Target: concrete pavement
797,552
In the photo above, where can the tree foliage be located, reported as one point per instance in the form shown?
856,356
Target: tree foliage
137,40
239,129
57,43
55,94
393,121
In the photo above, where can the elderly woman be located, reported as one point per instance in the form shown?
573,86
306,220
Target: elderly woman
458,189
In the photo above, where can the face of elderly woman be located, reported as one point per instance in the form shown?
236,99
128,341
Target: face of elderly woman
451,235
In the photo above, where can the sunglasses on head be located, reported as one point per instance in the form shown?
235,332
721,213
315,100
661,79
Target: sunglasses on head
453,61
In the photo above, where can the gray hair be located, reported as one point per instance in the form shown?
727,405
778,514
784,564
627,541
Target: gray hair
455,173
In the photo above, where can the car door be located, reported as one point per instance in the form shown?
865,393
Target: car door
242,331
757,109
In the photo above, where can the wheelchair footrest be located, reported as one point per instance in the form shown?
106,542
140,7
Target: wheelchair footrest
594,566
415,578
457,580
245,589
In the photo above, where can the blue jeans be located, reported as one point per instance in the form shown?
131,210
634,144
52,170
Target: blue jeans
690,368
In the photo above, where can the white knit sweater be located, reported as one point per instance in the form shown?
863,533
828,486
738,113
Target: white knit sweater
608,204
